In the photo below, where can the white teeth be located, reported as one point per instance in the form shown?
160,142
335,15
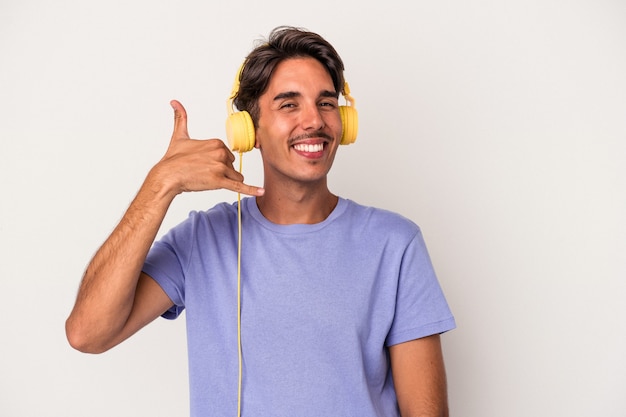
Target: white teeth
305,147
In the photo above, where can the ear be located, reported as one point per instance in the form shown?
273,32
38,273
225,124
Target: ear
257,140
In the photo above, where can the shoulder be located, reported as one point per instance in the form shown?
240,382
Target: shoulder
219,217
219,212
381,219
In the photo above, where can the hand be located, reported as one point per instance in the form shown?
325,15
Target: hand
199,165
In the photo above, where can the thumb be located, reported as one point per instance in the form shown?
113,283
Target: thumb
180,121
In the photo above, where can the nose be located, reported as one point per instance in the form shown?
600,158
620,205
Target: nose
311,117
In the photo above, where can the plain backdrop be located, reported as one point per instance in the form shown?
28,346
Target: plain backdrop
497,126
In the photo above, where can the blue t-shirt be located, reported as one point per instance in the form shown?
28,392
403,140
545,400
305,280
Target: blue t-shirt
320,305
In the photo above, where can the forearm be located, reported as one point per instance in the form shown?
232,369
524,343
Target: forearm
106,294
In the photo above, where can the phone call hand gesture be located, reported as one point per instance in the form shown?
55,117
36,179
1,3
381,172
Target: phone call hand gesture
198,165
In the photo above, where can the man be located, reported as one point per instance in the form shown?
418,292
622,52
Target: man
340,308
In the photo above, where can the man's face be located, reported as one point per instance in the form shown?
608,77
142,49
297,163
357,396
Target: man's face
299,126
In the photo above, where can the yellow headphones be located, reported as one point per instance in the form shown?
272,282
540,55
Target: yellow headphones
240,129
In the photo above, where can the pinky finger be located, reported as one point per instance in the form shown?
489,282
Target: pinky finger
240,187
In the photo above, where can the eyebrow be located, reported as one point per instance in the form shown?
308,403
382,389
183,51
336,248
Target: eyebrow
292,94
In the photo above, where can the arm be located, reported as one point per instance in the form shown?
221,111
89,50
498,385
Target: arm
115,299
419,377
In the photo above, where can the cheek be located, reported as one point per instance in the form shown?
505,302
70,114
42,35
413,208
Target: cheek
276,130
267,137
335,124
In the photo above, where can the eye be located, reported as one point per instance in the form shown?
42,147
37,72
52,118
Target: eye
328,104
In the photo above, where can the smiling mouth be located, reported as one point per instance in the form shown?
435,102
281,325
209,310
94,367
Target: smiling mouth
308,147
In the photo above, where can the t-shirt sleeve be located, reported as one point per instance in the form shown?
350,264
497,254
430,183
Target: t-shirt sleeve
421,307
166,263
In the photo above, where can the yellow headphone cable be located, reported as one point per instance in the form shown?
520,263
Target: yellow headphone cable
239,349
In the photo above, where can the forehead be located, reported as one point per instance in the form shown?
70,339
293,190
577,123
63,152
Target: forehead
298,74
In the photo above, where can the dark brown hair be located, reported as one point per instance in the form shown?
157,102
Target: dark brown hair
284,42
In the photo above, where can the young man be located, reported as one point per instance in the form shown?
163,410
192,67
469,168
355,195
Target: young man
340,308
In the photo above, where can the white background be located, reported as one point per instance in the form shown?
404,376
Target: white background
498,126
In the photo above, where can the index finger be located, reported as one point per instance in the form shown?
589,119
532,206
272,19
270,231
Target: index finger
180,121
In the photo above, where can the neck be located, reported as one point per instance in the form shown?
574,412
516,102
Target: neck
297,204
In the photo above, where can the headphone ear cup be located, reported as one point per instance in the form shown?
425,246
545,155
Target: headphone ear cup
240,131
350,122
